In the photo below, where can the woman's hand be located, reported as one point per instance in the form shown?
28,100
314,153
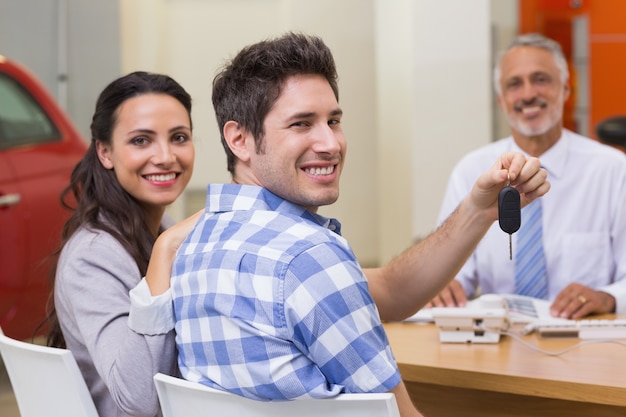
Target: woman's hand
164,251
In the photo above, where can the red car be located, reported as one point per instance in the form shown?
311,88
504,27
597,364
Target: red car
39,147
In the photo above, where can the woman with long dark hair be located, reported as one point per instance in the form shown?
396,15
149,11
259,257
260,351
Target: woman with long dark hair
139,161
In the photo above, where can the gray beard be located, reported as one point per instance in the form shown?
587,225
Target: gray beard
527,130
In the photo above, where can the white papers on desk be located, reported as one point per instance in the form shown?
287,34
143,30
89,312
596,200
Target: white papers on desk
520,308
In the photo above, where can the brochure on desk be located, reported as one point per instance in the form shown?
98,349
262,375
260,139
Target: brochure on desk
520,309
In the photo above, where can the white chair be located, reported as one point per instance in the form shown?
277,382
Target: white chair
46,381
181,398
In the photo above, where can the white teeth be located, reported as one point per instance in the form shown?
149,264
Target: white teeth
526,110
320,171
162,177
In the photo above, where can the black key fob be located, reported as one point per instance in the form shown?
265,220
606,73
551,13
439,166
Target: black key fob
509,210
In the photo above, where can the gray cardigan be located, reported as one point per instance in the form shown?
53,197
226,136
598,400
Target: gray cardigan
93,279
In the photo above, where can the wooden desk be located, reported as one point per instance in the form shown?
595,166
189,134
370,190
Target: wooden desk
508,378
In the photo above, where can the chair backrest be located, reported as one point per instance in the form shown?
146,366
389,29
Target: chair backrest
179,397
46,381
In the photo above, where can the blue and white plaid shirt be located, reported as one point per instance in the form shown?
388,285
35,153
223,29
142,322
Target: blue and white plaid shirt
271,303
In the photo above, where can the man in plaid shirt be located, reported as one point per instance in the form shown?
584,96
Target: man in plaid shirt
269,299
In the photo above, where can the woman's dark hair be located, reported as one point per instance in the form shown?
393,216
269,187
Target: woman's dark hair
248,86
100,201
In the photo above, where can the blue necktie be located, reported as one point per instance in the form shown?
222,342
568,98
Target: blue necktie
530,262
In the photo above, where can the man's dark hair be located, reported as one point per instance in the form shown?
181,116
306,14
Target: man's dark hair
245,90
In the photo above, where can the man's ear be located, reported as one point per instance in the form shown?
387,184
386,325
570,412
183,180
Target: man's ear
237,140
104,154
567,92
499,100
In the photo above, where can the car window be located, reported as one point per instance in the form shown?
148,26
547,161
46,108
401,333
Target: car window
22,120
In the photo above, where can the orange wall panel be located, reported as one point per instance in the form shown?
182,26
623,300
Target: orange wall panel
607,16
607,48
608,75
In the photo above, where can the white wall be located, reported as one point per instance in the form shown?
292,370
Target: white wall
504,26
434,106
414,87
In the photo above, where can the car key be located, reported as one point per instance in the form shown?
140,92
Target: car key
509,212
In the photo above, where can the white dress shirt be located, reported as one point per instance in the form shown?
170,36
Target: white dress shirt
584,219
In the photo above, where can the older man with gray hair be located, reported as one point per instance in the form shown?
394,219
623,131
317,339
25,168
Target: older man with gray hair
573,254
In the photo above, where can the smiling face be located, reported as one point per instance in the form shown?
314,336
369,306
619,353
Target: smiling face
533,93
151,151
303,149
